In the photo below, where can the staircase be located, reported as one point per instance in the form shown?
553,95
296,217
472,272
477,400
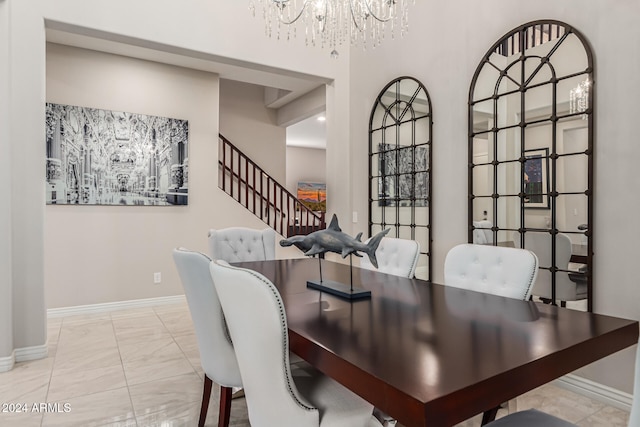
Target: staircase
247,183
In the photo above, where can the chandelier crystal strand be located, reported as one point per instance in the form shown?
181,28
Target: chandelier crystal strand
330,23
579,98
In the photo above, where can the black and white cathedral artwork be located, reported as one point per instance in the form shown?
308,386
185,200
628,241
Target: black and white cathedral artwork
404,175
104,157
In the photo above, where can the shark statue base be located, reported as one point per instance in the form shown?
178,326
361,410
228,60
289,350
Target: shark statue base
339,289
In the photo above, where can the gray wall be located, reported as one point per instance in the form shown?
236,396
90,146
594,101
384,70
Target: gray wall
305,164
250,126
98,254
445,43
6,301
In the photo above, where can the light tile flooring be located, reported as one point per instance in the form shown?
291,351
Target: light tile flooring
141,367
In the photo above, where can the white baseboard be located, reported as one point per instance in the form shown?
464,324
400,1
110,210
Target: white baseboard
6,363
113,306
31,353
22,355
596,391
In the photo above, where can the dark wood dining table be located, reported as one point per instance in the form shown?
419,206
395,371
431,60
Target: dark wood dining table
431,355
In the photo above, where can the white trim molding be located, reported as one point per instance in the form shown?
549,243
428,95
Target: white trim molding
31,353
23,354
113,306
7,362
600,392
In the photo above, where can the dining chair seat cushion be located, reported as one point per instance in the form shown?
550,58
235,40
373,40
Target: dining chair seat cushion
237,244
496,270
530,418
395,256
338,406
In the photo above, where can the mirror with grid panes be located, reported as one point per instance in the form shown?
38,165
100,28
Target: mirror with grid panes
531,155
400,166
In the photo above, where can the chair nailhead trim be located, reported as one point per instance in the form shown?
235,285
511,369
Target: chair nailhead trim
285,343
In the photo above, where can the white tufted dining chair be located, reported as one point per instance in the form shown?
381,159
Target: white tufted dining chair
496,270
566,289
502,271
535,418
395,256
257,323
236,244
482,234
398,257
217,355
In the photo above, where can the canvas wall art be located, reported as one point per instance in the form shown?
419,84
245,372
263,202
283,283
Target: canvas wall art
313,195
104,157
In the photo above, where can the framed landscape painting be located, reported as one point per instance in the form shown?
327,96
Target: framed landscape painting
313,195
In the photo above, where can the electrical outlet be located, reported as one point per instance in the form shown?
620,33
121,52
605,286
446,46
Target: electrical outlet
157,277
354,216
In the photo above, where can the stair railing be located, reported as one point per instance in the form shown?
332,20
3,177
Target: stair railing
247,183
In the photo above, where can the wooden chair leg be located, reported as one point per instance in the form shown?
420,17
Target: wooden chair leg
206,395
489,415
225,406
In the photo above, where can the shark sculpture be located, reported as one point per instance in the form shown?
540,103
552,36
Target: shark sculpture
334,240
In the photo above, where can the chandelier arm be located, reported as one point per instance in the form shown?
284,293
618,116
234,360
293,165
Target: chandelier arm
367,3
294,20
326,14
353,15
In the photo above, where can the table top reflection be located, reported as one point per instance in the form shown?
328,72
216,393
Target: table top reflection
430,355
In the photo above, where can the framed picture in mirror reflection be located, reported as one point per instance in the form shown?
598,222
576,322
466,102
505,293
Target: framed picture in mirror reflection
404,179
536,182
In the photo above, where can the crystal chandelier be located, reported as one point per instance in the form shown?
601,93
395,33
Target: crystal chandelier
579,98
330,23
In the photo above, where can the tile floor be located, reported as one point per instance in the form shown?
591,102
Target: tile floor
141,367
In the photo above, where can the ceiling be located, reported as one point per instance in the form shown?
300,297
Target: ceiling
308,133
287,85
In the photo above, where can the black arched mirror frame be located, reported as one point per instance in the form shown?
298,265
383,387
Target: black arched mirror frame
400,141
531,139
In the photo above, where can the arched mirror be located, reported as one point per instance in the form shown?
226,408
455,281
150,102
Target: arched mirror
531,155
400,166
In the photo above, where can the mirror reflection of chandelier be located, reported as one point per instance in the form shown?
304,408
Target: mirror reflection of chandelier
579,98
330,23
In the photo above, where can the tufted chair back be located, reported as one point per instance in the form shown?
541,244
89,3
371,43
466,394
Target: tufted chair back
216,351
236,244
540,244
258,327
395,256
482,234
507,272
